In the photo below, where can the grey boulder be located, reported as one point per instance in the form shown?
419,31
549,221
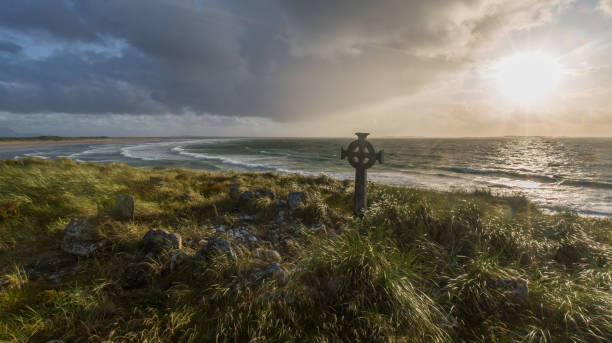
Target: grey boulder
213,246
160,239
271,270
265,192
295,199
136,275
514,289
268,255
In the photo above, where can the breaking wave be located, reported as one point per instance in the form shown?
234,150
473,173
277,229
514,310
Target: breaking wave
225,160
503,173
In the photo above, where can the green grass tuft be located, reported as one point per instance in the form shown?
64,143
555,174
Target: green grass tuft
420,266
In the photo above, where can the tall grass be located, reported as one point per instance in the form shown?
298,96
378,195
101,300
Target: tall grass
418,267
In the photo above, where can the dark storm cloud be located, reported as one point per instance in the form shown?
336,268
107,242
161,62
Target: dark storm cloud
9,47
277,59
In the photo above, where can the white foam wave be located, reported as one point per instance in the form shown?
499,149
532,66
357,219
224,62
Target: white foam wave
37,155
135,152
95,150
225,160
151,151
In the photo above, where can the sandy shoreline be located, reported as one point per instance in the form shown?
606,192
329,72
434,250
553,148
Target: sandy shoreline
18,144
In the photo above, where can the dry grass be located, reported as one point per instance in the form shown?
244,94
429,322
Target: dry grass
416,268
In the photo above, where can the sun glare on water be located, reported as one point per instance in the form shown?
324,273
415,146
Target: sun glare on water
528,77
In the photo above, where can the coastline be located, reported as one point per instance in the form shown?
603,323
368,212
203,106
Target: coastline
24,144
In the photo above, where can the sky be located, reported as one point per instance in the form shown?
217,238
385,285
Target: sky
306,68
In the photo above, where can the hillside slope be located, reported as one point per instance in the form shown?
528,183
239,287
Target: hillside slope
275,258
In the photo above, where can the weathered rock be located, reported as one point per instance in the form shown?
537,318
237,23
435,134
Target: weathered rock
572,252
136,275
156,181
319,228
271,270
213,246
334,286
69,270
281,217
80,238
53,262
234,191
176,259
247,195
514,289
295,199
268,255
264,192
189,195
159,239
124,206
340,229
247,217
220,228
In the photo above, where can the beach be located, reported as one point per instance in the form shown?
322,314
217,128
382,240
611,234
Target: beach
22,143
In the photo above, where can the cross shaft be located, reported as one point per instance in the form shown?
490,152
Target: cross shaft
361,155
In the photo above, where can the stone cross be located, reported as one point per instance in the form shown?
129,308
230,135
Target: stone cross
361,156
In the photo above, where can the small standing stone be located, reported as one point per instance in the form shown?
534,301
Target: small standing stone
80,238
295,199
234,189
124,206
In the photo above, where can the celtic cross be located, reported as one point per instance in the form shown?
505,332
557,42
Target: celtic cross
361,155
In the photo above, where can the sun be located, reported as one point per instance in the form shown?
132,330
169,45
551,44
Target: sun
528,77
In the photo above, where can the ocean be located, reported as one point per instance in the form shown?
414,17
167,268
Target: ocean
573,174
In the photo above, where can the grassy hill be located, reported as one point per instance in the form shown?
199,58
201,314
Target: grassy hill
419,266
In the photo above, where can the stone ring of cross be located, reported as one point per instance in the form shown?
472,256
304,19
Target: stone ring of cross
361,154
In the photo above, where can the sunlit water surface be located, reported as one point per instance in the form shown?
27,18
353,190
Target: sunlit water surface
555,173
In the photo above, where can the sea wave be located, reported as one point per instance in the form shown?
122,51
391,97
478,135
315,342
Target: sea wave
503,173
131,152
580,211
587,183
225,160
37,155
270,153
150,152
95,150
